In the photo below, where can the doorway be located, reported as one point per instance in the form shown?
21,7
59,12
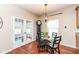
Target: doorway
23,31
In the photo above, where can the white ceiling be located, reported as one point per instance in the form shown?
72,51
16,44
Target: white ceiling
38,9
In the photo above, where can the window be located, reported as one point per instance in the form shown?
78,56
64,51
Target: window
53,26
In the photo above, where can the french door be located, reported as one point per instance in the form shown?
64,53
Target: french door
22,31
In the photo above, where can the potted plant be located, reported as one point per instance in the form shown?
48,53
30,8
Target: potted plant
46,35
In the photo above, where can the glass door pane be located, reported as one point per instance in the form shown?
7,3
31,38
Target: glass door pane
29,29
18,28
23,31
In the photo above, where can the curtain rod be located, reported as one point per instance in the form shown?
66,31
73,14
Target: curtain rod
55,14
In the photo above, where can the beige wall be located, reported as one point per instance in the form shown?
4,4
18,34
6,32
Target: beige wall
68,18
7,12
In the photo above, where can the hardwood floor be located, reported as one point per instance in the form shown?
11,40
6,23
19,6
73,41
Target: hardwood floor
31,48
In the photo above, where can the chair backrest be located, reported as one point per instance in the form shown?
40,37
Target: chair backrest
56,41
42,36
54,34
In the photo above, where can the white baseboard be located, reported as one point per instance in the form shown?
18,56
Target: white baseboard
16,47
68,45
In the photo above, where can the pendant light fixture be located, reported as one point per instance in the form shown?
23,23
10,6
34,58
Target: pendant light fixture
45,12
46,18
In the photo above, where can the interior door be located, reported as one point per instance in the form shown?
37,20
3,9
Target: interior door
23,31
18,31
29,30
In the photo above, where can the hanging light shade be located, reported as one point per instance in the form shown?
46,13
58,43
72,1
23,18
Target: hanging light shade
46,12
45,18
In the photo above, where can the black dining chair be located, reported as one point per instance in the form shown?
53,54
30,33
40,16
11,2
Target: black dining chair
41,44
54,34
55,48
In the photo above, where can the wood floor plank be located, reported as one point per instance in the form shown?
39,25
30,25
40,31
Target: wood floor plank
31,48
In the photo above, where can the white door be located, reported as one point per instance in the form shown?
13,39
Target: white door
28,30
18,31
23,31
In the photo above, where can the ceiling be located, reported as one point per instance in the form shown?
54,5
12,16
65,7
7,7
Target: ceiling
39,9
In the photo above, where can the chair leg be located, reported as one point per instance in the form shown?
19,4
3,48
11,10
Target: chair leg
52,51
59,50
